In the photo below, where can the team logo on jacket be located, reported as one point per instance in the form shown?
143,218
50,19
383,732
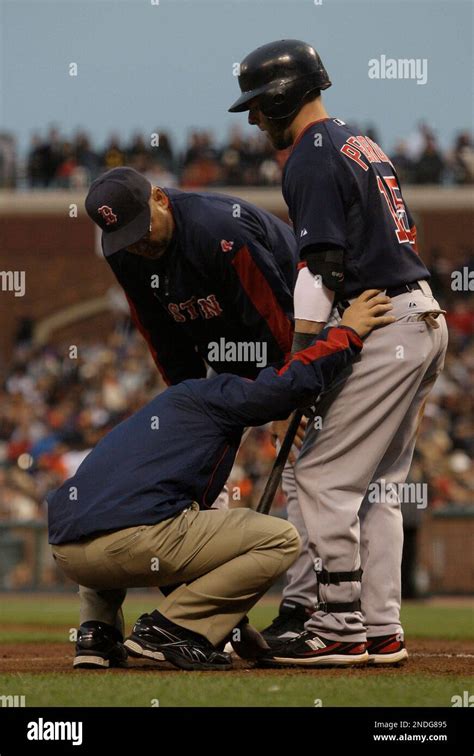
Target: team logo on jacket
226,246
107,214
204,307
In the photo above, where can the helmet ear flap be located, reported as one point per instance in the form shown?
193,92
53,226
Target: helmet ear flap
285,98
278,102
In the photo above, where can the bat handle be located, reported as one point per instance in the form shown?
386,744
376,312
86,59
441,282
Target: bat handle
273,481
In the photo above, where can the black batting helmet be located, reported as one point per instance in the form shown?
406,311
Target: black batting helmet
280,75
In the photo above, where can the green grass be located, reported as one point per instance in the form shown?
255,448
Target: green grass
49,618
232,689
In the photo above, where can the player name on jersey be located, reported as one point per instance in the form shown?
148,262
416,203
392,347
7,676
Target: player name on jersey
356,146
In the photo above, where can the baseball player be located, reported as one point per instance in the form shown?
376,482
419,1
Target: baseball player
137,511
354,230
200,270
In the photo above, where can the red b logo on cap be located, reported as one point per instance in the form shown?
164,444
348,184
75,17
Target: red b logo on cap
107,214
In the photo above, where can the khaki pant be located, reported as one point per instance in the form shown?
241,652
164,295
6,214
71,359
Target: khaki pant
225,560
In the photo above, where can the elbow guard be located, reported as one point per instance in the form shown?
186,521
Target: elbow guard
329,264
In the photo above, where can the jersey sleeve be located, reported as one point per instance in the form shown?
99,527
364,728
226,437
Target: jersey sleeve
236,402
173,353
256,292
317,192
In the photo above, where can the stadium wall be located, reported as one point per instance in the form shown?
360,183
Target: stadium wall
49,236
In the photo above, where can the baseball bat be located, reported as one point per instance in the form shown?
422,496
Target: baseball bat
266,501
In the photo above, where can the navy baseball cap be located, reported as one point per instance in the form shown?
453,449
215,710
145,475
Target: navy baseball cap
118,202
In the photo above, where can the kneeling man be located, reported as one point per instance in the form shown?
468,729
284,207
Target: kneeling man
138,510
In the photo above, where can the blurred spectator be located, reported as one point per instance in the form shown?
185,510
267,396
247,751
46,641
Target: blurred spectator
67,166
137,153
402,162
86,157
51,155
44,158
234,158
164,151
34,163
7,160
430,165
200,162
113,156
463,159
416,141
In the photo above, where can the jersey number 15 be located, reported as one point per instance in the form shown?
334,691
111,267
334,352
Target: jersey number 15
396,207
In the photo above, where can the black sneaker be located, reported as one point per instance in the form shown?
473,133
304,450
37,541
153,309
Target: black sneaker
287,625
99,646
155,637
313,650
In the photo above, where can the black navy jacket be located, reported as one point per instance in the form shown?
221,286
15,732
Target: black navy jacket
229,273
180,447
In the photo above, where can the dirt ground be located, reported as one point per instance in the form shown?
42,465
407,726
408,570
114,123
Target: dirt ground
427,656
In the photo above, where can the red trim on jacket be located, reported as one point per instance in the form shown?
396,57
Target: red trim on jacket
338,339
147,337
263,298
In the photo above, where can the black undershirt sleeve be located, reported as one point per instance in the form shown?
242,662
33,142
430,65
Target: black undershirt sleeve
327,261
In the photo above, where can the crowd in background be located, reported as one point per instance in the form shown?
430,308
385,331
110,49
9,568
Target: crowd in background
53,408
56,161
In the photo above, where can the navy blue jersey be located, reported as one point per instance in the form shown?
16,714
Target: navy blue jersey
181,446
228,274
342,190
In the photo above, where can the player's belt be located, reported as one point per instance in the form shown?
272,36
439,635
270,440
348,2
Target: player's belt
395,291
392,291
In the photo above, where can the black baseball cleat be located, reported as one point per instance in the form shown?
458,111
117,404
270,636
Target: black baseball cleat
313,650
99,646
387,649
155,637
287,625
